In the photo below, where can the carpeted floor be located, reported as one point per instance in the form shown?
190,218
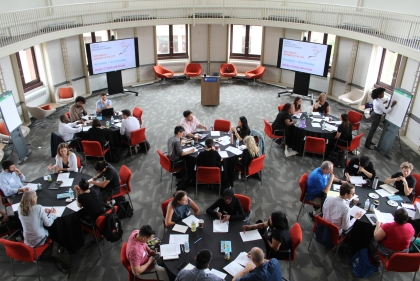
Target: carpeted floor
163,106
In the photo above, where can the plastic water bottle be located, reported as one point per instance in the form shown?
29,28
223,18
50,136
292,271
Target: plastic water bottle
323,126
187,247
71,193
367,204
112,120
193,227
237,143
303,122
94,113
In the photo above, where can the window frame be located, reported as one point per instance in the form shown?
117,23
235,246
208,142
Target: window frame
324,42
388,88
34,83
245,56
171,55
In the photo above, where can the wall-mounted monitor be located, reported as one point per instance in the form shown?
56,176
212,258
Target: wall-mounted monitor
112,55
304,57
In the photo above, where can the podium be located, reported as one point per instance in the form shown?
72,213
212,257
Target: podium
210,90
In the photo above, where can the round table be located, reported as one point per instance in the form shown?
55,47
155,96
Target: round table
211,241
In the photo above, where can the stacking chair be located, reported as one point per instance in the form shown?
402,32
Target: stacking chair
256,165
355,118
255,74
125,187
400,262
168,165
163,73
137,137
296,236
221,125
208,175
246,205
352,145
138,113
79,164
302,184
193,70
6,201
126,263
40,113
164,207
417,188
314,145
95,149
268,130
228,70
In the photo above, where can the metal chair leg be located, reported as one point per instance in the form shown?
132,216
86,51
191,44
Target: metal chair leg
310,242
37,267
13,267
300,210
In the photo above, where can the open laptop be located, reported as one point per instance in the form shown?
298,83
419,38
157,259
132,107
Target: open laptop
107,111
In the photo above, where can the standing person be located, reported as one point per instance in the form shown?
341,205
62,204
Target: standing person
11,179
97,133
344,130
129,123
111,183
404,180
140,256
65,160
209,157
77,110
376,114
242,130
321,105
283,126
33,218
103,103
179,208
297,105
190,124
202,263
229,207
250,152
89,200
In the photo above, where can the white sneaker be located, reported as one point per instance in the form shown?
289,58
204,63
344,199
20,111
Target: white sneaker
289,152
292,152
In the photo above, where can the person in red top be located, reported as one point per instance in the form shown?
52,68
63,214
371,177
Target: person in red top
393,237
141,257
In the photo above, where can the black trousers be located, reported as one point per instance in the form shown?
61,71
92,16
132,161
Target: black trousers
375,121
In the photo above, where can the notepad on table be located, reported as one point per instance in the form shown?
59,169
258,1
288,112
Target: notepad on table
188,220
32,186
243,259
67,182
234,150
250,235
389,188
383,192
214,133
354,210
179,239
73,206
189,267
336,187
63,176
218,273
316,125
356,180
316,114
219,226
170,250
233,268
180,228
316,119
223,154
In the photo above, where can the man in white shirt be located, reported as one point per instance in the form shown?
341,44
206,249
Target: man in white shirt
103,103
67,130
190,124
337,211
129,123
11,179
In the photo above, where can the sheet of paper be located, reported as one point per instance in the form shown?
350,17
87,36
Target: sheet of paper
220,226
15,207
336,187
383,217
224,142
86,117
408,206
233,268
215,133
67,182
218,273
178,238
336,122
223,154
389,188
180,228
170,250
330,127
383,192
316,119
189,267
174,257
73,206
58,210
32,186
188,148
332,193
297,115
63,176
224,138
234,150
411,213
189,220
250,235
316,114
86,128
356,180
354,210
316,125
243,259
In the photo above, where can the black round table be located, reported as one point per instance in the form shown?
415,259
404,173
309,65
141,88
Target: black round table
211,241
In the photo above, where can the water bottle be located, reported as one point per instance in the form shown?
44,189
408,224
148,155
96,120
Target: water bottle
367,204
303,122
94,114
112,120
323,126
107,124
375,183
193,226
237,143
71,193
187,247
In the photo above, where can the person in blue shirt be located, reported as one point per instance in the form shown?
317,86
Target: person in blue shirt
103,103
259,269
319,184
202,262
11,179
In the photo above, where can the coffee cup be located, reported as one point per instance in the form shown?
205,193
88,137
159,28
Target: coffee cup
356,201
200,223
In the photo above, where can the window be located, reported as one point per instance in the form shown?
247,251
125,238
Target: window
245,41
322,38
388,71
28,69
172,41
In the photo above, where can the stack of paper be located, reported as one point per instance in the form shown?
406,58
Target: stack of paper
233,268
250,235
218,273
224,140
63,176
179,239
356,180
330,127
389,188
170,251
234,150
336,187
219,226
180,228
382,192
189,148
189,220
316,119
316,125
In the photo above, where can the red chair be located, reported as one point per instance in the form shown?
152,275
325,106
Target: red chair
94,149
416,198
296,236
314,145
21,252
208,175
137,137
228,70
163,73
221,125
355,118
193,70
255,74
302,184
126,264
280,107
79,164
336,239
268,130
353,145
138,113
125,187
168,165
400,262
164,207
67,114
246,205
6,201
256,165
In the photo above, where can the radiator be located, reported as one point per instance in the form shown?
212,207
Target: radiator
35,96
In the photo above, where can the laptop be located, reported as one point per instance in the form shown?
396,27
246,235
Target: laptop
108,111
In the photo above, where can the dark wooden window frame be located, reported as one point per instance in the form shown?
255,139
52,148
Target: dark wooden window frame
171,54
388,88
246,56
34,83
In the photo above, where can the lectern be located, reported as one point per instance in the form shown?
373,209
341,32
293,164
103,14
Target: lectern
210,90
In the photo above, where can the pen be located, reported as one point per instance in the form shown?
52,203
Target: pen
197,240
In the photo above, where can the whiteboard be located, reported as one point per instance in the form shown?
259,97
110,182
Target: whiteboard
9,111
398,112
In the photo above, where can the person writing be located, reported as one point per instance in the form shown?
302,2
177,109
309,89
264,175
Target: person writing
404,180
361,166
344,130
103,103
190,123
321,105
228,207
242,130
11,179
88,200
283,126
376,114
297,105
111,183
179,208
209,157
65,160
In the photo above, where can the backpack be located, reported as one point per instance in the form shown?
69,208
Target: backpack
61,258
124,208
360,264
112,228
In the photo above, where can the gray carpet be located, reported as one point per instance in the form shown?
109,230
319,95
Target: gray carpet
163,106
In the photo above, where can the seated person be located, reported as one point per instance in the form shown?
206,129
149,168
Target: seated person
33,218
393,237
344,130
67,130
129,123
321,105
96,133
190,123
141,257
276,234
229,207
111,184
77,110
250,152
180,208
242,130
283,126
404,180
103,103
65,160
175,147
8,224
209,157
202,263
89,200
297,105
319,184
336,209
259,269
11,179
361,166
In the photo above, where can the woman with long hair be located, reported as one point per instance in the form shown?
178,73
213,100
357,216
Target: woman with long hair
297,105
65,160
283,126
321,105
242,130
33,218
179,208
344,130
250,152
110,185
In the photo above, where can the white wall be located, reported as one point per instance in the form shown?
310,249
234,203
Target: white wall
9,78
218,46
199,40
55,58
